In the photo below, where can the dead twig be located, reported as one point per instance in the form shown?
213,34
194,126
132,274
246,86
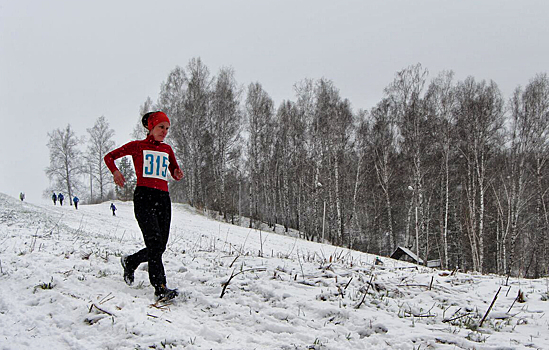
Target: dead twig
420,316
261,243
233,275
301,265
161,306
490,308
365,293
245,240
56,225
292,250
414,285
424,315
122,238
519,298
347,285
33,241
100,309
457,317
104,300
231,265
153,316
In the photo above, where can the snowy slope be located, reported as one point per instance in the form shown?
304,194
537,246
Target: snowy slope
61,287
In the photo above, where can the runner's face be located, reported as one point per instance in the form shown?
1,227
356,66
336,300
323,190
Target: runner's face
160,131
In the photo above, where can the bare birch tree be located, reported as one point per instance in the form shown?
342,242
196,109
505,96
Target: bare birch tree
99,144
309,218
479,116
527,224
225,125
186,97
406,98
384,148
536,100
441,99
65,160
260,115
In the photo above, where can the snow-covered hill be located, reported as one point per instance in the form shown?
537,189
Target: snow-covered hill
61,287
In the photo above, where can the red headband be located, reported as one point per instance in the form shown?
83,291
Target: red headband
156,118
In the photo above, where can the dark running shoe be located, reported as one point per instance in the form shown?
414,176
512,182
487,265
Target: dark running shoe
128,274
163,294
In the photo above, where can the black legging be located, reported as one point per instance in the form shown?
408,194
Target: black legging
153,211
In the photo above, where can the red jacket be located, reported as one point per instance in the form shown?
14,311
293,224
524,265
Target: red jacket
151,159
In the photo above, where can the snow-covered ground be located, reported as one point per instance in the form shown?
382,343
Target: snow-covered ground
61,287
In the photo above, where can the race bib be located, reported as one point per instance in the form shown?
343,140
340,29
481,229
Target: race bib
155,164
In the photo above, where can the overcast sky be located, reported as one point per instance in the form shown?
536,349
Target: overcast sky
71,62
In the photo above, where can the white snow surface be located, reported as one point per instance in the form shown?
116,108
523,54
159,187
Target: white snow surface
61,287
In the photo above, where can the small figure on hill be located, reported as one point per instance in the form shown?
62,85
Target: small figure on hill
379,261
22,196
152,159
75,201
113,208
60,197
54,198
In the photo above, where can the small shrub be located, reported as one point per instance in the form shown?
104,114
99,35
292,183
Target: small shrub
477,337
44,286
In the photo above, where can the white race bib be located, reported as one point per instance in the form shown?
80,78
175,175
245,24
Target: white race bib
155,164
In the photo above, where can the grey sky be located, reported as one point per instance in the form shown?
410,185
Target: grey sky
73,61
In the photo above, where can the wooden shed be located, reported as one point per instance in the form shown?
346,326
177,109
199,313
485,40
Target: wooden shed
402,253
406,254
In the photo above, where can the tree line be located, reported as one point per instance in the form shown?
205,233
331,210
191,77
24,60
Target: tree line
73,170
449,169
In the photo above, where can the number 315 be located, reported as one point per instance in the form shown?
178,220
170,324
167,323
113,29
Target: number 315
156,166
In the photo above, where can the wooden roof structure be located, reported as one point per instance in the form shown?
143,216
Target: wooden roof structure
405,252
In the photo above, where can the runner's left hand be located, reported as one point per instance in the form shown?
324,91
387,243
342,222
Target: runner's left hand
177,174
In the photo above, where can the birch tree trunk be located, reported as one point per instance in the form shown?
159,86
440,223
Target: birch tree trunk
479,115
